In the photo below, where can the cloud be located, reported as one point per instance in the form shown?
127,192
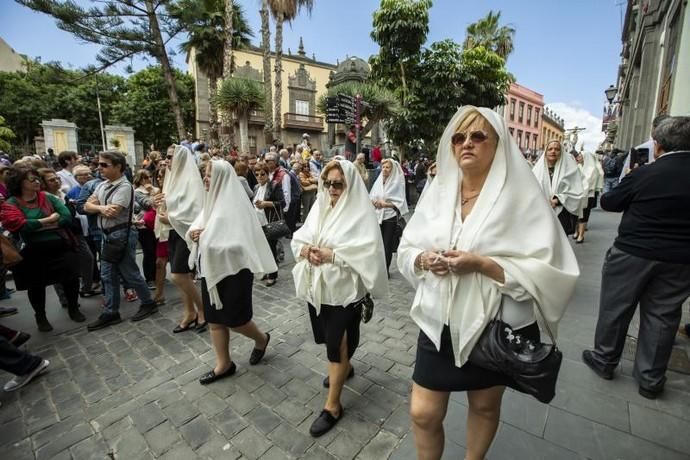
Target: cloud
574,115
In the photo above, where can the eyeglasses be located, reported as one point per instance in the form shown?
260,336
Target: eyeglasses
477,137
104,165
260,173
33,179
338,185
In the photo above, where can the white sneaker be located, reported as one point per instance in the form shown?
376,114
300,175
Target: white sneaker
20,380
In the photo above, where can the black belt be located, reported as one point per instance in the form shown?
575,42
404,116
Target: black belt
109,230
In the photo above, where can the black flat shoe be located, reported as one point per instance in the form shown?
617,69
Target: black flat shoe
580,241
258,354
91,293
190,325
324,422
202,327
104,320
327,380
20,339
271,282
145,310
588,359
211,376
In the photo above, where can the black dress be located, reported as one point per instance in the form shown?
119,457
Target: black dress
235,292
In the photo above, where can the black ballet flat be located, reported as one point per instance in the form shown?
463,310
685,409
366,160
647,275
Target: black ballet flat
211,376
324,422
257,354
190,325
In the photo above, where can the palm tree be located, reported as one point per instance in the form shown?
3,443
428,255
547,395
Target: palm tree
240,96
204,22
268,94
282,10
487,33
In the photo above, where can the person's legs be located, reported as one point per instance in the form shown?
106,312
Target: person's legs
623,279
661,307
387,233
220,338
37,298
71,290
191,298
252,331
86,261
427,411
110,282
131,275
161,272
15,360
147,240
274,250
337,374
483,414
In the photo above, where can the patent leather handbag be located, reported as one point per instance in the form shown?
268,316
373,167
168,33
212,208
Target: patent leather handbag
533,365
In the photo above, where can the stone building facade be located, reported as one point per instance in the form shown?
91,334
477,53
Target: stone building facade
655,67
552,127
523,115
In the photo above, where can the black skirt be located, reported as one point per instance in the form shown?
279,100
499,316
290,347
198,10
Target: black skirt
436,370
235,292
46,263
330,325
567,221
178,253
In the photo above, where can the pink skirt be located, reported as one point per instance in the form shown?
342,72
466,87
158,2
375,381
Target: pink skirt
162,249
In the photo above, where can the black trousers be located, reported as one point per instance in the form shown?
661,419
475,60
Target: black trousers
147,240
292,215
660,288
16,361
387,233
273,245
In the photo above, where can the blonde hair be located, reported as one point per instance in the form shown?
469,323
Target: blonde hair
474,117
334,164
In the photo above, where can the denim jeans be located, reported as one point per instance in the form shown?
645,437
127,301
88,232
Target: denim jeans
128,269
610,183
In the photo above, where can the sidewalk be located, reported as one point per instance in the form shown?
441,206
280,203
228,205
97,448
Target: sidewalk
131,392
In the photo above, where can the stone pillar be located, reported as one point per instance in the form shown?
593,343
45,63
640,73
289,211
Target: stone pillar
59,135
138,152
122,138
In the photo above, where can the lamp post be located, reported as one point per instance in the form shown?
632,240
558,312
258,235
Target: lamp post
610,93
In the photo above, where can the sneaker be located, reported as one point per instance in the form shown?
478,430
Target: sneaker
145,310
104,321
20,380
131,295
7,311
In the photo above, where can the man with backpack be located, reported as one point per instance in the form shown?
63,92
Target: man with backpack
612,166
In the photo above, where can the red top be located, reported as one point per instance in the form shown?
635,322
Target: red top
376,154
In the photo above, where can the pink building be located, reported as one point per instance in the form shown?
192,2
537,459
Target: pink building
523,112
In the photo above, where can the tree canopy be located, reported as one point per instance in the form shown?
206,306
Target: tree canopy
488,33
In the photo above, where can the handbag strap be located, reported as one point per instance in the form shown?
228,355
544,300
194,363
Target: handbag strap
278,211
499,315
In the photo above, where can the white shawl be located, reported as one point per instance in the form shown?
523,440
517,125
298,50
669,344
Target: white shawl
232,239
351,230
566,183
184,191
392,190
507,211
592,175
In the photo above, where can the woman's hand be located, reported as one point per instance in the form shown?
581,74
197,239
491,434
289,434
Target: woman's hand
51,219
554,202
195,234
159,199
433,262
461,262
317,256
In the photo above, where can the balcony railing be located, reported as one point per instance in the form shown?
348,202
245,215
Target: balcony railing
256,117
299,121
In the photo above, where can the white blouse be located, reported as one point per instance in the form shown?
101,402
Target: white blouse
260,195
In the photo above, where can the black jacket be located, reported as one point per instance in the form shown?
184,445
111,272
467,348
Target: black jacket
655,200
274,193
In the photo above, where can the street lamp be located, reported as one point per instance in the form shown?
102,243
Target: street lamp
610,93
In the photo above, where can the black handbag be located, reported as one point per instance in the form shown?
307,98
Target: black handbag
114,249
533,366
399,229
367,308
278,228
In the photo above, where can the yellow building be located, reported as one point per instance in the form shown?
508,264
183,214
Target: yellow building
551,128
304,80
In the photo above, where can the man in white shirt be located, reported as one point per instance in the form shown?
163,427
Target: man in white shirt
316,163
68,160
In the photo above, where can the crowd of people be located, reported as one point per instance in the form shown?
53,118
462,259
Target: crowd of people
216,223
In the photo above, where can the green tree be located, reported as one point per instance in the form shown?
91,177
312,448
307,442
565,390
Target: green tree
240,96
400,29
144,107
123,28
6,135
484,78
282,10
381,103
204,23
488,33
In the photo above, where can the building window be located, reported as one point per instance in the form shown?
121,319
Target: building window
512,132
519,138
536,117
302,108
252,144
529,115
534,141
521,113
512,109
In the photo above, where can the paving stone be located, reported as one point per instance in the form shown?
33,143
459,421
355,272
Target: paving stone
292,412
197,431
345,445
55,431
146,417
298,391
269,395
524,412
181,412
380,447
291,440
64,441
251,443
241,401
179,452
511,442
115,430
263,419
218,447
161,438
593,405
249,381
660,428
210,404
229,422
399,421
12,431
92,448
21,450
130,444
317,452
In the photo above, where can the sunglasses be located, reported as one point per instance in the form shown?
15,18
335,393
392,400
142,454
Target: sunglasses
260,173
33,179
333,183
169,157
477,137
104,165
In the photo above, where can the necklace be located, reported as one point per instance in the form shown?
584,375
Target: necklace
464,201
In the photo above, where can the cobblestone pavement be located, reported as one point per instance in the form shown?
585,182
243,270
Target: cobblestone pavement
131,391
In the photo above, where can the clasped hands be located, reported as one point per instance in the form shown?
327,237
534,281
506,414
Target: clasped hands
195,234
316,255
442,263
